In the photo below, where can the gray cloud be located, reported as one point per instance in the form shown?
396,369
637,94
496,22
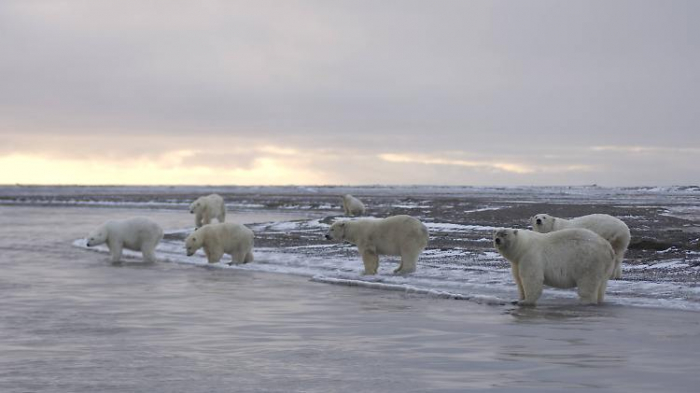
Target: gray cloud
488,78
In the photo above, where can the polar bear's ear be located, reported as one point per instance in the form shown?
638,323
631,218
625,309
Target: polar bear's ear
342,225
515,232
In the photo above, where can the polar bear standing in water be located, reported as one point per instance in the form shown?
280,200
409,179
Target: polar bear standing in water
612,229
352,206
137,234
562,259
206,208
219,239
401,235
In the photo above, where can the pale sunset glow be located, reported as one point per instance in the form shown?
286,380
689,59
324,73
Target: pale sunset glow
167,170
255,92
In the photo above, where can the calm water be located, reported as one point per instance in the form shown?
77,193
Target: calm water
72,322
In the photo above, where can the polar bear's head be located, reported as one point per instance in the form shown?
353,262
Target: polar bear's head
336,231
98,236
504,239
542,223
196,205
194,242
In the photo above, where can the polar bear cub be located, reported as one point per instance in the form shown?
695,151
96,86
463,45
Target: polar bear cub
397,235
612,229
568,258
352,206
138,234
206,208
223,238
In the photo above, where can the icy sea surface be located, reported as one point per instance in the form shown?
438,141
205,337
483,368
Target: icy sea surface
70,321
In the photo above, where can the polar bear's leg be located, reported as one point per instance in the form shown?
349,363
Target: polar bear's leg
619,245
588,291
248,257
408,263
148,249
601,290
532,281
531,293
214,254
222,216
371,261
206,217
617,272
198,219
238,257
516,277
115,251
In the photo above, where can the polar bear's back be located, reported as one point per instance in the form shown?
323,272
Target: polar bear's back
569,255
134,232
215,199
231,236
398,233
607,226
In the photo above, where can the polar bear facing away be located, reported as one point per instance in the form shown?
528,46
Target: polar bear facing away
612,229
352,206
138,234
402,235
562,259
223,238
206,208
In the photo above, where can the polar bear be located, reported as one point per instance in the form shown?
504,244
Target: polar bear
138,234
401,235
206,208
608,227
223,238
568,258
352,206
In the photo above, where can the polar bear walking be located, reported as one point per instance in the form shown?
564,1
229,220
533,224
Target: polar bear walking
138,234
206,208
567,258
223,238
612,229
397,235
352,206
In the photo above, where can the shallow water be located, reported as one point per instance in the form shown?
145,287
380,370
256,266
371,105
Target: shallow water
72,322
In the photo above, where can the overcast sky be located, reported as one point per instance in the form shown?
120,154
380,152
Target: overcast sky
350,92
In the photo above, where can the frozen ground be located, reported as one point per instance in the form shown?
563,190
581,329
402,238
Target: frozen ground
73,322
661,269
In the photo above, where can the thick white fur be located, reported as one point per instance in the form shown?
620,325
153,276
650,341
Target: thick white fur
402,235
562,259
206,208
352,206
612,229
223,238
138,234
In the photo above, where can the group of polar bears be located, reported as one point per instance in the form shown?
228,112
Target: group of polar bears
143,234
583,252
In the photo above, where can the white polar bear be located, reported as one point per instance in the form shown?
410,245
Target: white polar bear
223,238
138,234
352,206
397,235
562,259
612,229
206,208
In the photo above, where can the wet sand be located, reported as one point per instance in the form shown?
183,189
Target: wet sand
72,322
